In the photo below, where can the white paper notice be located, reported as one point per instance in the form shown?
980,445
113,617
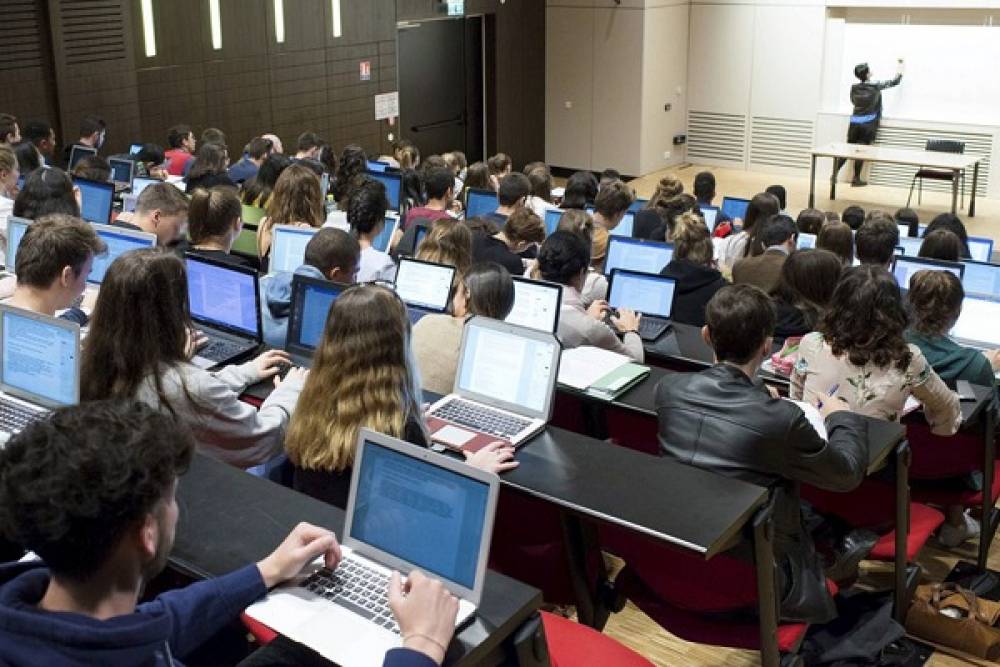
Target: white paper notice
387,106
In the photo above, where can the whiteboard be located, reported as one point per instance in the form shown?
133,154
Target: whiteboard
950,73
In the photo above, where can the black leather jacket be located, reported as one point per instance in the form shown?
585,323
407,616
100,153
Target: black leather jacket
720,420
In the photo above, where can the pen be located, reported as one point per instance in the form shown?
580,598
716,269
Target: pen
833,390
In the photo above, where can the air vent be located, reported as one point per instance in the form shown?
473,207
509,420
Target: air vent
901,176
22,23
92,31
781,142
716,136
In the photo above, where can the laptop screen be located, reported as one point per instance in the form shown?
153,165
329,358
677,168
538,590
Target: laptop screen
16,227
119,242
641,292
424,285
480,202
506,366
624,228
222,296
977,323
906,266
711,214
421,513
77,153
981,249
981,278
311,301
806,241
734,207
536,305
121,170
95,200
910,245
376,166
139,184
637,255
638,205
381,242
39,358
393,184
552,218
135,149
289,247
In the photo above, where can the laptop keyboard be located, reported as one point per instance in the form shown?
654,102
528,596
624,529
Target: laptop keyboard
650,329
481,418
14,417
220,350
357,587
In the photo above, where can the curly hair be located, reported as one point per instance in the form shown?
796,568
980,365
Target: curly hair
866,319
935,299
72,484
353,162
366,207
562,257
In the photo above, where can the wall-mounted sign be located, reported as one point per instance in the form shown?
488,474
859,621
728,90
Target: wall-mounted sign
365,70
387,106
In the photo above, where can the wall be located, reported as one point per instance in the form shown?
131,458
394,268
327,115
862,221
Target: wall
27,75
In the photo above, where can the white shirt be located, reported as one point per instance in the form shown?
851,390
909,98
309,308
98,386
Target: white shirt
375,265
6,210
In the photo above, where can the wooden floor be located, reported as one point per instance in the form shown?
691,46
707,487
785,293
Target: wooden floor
635,629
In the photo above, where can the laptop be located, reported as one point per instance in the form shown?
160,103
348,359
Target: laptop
377,167
381,242
710,214
408,508
503,390
39,367
980,248
735,207
910,245
16,227
225,306
425,287
977,325
624,227
638,205
122,172
480,202
981,278
96,200
904,230
311,301
135,149
650,294
393,186
288,247
77,153
536,305
140,183
637,255
805,241
552,218
119,241
904,267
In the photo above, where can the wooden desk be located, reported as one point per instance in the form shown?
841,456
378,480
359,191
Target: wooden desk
954,162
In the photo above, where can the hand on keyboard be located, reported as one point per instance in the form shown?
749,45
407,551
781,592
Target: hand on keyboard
270,363
425,611
496,457
300,548
598,309
626,320
195,341
293,373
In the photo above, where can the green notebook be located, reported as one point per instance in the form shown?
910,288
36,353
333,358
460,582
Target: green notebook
618,381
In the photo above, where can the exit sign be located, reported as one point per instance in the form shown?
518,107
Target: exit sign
456,7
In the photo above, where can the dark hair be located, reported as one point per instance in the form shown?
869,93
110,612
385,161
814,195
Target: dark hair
366,207
259,148
513,187
36,131
332,248
257,191
853,216
46,191
908,217
411,190
151,154
211,159
674,208
761,207
308,141
73,483
499,163
213,135
489,290
438,180
953,224
704,186
93,168
609,175
810,221
866,319
51,244
861,71
581,189
177,134
773,231
524,225
739,319
941,244
613,199
935,299
541,183
163,196
353,162
836,237
562,257
478,176
7,125
876,239
211,213
779,192
328,158
91,124
27,157
808,278
485,226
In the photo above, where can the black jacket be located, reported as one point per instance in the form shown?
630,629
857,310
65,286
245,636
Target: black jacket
720,420
696,285
789,322
867,97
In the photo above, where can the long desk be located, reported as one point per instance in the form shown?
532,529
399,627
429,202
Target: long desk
954,162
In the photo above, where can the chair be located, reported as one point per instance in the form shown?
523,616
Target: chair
572,644
245,244
937,146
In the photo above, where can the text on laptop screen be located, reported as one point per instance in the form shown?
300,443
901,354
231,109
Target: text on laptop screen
222,296
906,267
381,242
316,302
552,218
392,183
506,367
636,255
16,227
649,295
480,203
806,241
424,285
289,247
118,244
536,305
910,245
121,170
733,208
977,323
980,249
95,201
39,358
981,279
416,511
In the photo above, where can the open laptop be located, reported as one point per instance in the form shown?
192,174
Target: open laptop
977,325
981,248
480,202
393,183
624,227
652,295
904,267
409,508
225,306
981,278
552,218
288,247
134,149
910,245
381,242
376,166
77,153
311,301
96,200
16,227
735,207
425,287
503,388
140,183
805,241
637,255
119,241
710,214
122,172
638,205
536,304
39,367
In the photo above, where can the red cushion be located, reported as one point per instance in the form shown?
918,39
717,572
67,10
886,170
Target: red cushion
572,644
943,498
262,634
924,521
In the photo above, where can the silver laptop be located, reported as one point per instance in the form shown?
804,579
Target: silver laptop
288,248
805,241
904,267
977,325
225,305
503,388
409,508
16,227
536,304
77,153
425,287
119,241
39,367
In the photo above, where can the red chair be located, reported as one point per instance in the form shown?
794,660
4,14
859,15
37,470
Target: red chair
572,644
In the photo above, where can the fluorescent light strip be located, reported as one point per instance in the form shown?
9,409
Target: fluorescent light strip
148,28
338,30
215,18
279,21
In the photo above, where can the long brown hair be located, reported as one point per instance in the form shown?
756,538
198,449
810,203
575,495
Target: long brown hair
935,299
296,200
362,376
448,242
808,279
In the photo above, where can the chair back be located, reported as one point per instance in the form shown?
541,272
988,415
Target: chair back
246,242
254,214
945,146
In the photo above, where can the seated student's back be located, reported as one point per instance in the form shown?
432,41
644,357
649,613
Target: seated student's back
691,266
214,223
522,231
808,278
941,244
448,242
366,209
876,240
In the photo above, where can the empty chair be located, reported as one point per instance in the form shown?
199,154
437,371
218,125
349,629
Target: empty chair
937,146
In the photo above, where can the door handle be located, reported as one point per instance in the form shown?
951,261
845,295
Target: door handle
458,120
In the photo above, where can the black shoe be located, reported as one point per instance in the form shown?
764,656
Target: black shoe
853,549
858,183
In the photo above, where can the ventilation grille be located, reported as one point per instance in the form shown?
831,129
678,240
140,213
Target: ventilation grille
716,136
92,31
781,142
979,144
22,24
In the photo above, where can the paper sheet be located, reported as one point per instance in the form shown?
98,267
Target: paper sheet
581,367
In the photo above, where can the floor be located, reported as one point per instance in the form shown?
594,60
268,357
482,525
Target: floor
635,629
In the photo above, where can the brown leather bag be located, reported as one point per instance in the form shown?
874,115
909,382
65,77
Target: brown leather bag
953,616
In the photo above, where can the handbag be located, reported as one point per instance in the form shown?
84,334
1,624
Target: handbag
953,616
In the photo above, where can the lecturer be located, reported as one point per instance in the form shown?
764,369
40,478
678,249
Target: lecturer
867,100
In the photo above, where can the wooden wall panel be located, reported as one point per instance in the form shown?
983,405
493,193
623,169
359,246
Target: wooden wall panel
27,74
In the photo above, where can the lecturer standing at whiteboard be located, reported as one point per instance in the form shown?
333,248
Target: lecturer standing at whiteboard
866,97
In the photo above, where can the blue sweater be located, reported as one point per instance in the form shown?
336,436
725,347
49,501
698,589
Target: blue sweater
276,297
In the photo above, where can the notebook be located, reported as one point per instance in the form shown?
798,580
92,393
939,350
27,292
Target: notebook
119,241
598,372
503,388
408,508
536,304
650,294
288,247
977,325
480,202
16,227
225,306
96,200
311,302
735,207
425,287
393,186
981,278
637,255
77,153
905,266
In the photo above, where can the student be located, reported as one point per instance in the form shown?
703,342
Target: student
257,151
866,97
669,212
704,192
941,244
523,229
363,374
28,158
954,225
353,163
307,146
836,237
329,159
366,215
181,146
908,217
296,200
581,190
43,138
761,207
486,289
692,267
611,205
808,278
214,223
47,191
451,162
150,162
608,176
540,199
93,130
722,420
9,175
651,221
478,177
140,344
209,168
775,239
448,242
162,210
780,193
515,188
810,221
579,222
101,537
10,133
854,217
565,259
53,262
93,168
500,165
411,191
257,191
438,186
332,254
876,240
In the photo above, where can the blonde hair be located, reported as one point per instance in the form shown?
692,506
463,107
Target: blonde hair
448,242
296,199
668,187
362,376
578,222
692,240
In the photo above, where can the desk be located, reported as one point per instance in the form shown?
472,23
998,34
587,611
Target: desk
229,518
954,162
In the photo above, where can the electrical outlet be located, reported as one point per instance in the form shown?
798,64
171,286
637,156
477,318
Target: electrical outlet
666,155
668,107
